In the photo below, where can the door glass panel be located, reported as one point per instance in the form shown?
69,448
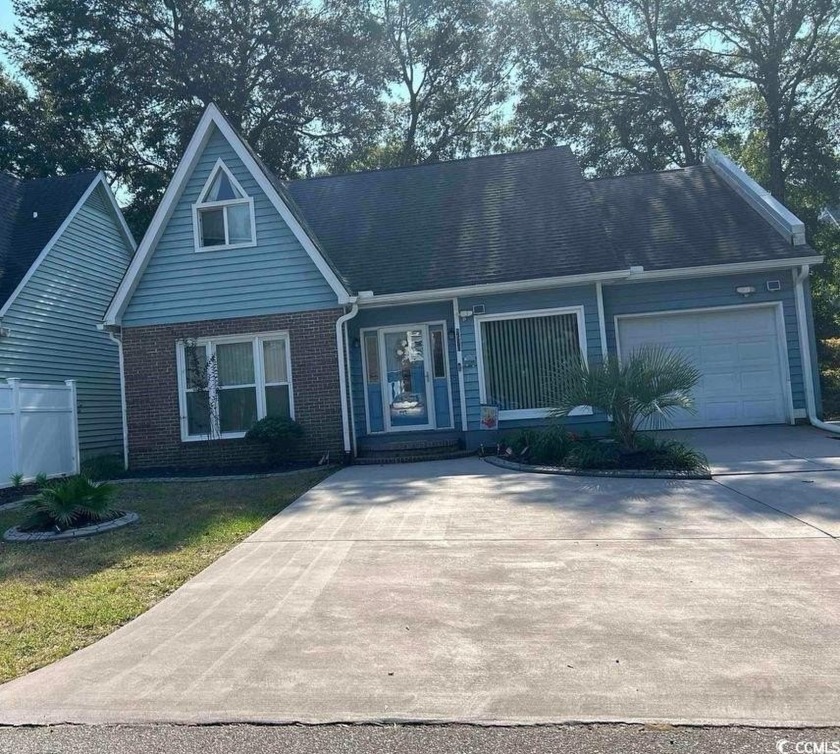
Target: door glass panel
438,353
372,357
406,378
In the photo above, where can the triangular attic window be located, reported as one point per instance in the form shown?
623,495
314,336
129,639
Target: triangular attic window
221,189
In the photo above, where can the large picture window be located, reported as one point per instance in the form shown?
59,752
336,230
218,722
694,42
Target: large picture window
521,358
227,384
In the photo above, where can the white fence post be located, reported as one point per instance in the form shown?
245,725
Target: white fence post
74,426
14,383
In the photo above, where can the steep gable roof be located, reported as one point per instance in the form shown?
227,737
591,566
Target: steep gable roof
273,189
685,218
30,214
492,219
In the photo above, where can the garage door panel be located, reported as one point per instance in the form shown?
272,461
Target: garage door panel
756,351
764,380
737,352
717,384
719,353
726,412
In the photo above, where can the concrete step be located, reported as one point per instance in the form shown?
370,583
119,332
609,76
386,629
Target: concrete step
398,446
411,456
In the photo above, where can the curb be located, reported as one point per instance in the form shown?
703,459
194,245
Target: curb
16,535
220,478
608,473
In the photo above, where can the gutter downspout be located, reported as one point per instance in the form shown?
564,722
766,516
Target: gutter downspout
342,373
123,403
805,352
459,366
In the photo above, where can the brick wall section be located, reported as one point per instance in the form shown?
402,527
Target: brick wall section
154,428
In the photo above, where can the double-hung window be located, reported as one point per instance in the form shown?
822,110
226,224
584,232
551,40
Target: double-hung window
227,384
522,357
223,217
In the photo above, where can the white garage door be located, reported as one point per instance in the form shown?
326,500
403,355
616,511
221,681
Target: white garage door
737,352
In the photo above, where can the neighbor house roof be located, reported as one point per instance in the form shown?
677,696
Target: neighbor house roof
491,219
685,218
31,212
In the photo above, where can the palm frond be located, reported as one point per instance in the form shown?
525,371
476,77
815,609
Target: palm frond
646,389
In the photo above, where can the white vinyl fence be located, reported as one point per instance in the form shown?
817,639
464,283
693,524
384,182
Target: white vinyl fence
39,431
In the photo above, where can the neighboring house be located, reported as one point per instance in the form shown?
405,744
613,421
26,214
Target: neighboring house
64,247
392,305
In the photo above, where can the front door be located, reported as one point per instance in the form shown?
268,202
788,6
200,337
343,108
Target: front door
407,396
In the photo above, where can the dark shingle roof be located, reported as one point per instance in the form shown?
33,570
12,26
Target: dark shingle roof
22,236
685,218
466,222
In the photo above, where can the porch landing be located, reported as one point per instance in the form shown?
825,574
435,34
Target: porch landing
409,447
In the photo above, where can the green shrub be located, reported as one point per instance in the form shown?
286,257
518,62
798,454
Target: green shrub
593,454
16,480
544,446
520,439
69,503
278,434
667,455
551,446
103,467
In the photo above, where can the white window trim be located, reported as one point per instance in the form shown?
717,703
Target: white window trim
199,206
529,413
259,371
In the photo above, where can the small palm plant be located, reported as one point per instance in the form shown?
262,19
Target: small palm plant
69,503
643,390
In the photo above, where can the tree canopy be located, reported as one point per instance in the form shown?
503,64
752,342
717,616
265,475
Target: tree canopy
337,85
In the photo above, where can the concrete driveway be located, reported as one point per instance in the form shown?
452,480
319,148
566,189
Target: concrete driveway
458,591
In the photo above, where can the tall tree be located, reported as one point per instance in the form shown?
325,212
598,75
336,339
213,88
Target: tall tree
445,71
137,74
616,78
784,55
34,140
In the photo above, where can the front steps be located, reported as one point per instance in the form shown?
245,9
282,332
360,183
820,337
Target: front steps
411,451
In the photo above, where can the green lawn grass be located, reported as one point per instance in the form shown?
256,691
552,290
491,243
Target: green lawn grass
830,377
56,598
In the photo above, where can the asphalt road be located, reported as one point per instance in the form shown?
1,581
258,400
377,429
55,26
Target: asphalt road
421,739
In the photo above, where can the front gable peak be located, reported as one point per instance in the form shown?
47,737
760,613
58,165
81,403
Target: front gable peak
223,210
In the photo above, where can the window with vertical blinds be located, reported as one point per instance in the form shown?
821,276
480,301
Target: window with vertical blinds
522,358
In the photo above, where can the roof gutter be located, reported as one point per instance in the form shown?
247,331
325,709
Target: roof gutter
369,299
805,352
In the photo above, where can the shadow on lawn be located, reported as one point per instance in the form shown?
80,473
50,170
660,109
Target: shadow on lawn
173,516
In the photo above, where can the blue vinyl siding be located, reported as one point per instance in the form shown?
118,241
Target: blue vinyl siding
400,315
182,285
701,293
558,298
53,322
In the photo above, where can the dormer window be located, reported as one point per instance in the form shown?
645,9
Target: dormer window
223,218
